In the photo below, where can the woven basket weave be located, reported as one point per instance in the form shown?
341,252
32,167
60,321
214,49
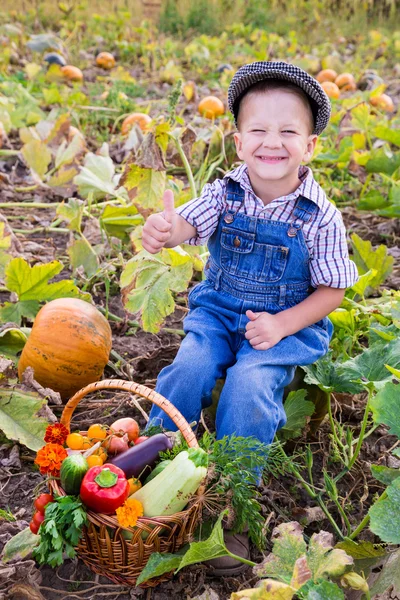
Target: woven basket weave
102,547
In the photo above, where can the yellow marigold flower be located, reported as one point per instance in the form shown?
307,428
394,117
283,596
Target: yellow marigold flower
128,513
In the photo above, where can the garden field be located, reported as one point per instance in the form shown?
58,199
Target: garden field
103,107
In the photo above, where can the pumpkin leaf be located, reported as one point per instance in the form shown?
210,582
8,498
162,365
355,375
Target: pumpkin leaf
385,406
119,220
97,176
158,564
31,284
385,515
148,281
384,474
19,420
149,185
366,258
20,545
12,340
324,374
297,409
37,156
389,576
269,590
81,254
72,212
323,590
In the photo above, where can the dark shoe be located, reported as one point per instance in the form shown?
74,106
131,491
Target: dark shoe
226,565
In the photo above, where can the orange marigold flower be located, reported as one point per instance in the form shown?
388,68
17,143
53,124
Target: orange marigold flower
49,459
56,433
128,513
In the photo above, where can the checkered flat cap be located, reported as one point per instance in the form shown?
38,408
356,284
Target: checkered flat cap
252,73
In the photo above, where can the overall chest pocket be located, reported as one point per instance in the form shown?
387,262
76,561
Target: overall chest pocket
243,257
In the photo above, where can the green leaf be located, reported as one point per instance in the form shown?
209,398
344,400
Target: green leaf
158,564
366,258
19,420
97,177
289,545
67,152
344,319
81,254
385,408
12,340
297,410
13,312
384,474
325,561
369,365
389,576
149,185
31,284
324,590
212,547
268,589
119,220
72,212
388,134
37,156
383,161
324,374
360,116
20,545
150,281
366,280
385,515
372,200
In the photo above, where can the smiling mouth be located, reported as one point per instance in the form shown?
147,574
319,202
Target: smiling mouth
271,158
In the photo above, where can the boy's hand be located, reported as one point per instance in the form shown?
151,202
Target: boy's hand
158,229
263,331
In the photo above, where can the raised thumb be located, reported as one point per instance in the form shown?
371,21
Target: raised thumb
168,201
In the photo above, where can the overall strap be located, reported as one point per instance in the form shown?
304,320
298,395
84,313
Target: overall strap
303,212
234,193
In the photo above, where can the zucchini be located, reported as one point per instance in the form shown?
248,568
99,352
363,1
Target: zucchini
170,490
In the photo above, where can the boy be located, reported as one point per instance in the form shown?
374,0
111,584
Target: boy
278,262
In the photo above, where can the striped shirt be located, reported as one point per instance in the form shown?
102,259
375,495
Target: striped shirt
324,234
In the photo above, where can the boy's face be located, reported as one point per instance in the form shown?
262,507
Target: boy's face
274,138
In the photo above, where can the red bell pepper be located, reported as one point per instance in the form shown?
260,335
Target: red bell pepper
104,489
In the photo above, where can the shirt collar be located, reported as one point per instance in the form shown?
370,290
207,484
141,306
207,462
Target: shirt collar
308,187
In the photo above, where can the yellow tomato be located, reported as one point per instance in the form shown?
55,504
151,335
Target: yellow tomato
87,443
134,485
75,441
97,432
102,453
94,461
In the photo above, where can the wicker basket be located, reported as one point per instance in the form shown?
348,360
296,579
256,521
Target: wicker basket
102,547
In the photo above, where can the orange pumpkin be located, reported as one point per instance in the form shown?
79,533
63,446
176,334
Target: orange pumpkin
331,89
211,107
68,347
141,119
326,75
346,82
384,102
72,73
105,60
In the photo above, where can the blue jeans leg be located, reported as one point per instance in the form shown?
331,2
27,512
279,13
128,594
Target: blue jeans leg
251,402
203,357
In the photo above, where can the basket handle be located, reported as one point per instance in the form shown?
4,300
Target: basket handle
140,390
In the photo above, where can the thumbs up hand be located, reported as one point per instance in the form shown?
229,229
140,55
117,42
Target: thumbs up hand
158,229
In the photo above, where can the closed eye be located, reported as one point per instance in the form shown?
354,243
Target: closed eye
288,131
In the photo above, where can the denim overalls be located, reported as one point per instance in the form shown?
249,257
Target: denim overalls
255,264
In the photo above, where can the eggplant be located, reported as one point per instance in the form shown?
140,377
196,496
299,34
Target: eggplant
134,461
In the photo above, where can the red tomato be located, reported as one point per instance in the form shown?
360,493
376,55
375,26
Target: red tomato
34,527
38,518
141,439
42,501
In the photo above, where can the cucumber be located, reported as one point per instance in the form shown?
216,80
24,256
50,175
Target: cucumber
73,469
